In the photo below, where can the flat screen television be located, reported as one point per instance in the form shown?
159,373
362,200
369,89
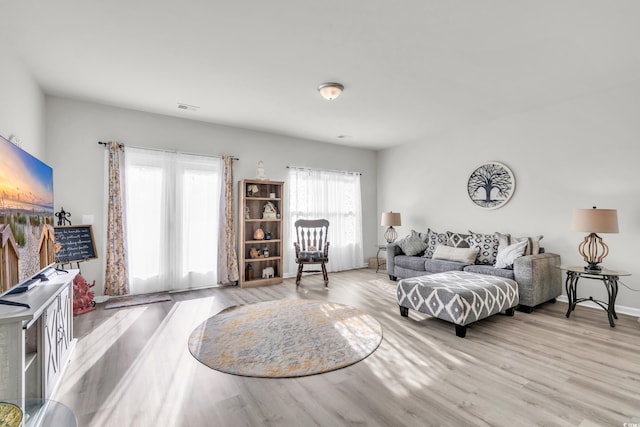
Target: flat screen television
26,217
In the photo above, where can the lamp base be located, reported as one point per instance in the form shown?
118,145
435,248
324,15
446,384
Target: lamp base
390,235
593,251
593,268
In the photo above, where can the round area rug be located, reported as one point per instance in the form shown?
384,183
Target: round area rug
285,338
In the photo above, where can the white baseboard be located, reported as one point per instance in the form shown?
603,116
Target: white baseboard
621,309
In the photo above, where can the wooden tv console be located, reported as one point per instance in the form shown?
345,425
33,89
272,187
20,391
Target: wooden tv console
36,342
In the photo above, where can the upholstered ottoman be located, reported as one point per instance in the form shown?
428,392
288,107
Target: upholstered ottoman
458,297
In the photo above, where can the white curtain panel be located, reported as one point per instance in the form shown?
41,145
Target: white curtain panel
173,219
335,196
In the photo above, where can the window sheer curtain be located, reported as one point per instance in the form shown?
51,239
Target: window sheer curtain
335,196
173,202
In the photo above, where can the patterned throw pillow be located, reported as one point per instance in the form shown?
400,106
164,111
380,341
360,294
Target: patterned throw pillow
507,255
457,240
487,245
433,240
412,244
533,245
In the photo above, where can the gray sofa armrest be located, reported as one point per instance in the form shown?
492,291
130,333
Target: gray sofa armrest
392,251
539,278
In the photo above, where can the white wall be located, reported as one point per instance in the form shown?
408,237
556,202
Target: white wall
73,129
22,106
577,154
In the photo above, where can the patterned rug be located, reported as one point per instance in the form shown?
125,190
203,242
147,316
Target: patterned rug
129,300
285,338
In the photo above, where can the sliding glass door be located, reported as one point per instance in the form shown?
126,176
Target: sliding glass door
172,217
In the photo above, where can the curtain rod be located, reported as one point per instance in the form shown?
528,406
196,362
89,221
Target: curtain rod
169,151
322,170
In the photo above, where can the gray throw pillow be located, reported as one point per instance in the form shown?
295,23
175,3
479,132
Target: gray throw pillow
412,244
433,240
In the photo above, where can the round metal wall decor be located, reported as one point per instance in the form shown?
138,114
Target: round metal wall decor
491,185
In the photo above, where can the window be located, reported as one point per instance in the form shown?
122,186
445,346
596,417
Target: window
335,196
172,216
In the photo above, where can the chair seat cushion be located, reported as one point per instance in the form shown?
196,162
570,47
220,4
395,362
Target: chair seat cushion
311,256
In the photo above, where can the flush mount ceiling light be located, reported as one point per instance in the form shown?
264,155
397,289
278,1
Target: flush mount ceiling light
330,91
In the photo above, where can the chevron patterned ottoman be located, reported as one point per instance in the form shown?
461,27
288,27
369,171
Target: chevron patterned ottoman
458,297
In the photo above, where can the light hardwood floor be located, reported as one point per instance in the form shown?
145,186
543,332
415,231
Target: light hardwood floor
132,367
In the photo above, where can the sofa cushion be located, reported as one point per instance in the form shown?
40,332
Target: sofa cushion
441,265
457,240
489,270
487,245
412,244
465,255
410,262
508,254
433,240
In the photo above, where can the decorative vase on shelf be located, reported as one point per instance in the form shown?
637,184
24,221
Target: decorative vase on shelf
267,235
248,272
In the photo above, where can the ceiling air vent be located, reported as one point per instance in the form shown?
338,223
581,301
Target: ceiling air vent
187,107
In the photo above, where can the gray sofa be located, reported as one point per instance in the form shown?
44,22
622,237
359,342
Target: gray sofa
539,280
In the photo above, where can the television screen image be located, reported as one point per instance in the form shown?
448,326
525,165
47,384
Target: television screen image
26,215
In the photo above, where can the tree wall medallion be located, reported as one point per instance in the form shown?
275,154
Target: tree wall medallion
491,185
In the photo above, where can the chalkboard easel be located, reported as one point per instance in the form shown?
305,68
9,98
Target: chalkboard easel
76,244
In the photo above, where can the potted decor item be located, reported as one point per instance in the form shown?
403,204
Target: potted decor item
267,235
252,190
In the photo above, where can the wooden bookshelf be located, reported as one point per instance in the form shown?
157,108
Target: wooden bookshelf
253,196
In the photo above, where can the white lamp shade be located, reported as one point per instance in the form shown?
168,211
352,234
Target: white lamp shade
390,219
595,220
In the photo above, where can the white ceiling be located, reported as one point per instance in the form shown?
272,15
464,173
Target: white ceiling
412,69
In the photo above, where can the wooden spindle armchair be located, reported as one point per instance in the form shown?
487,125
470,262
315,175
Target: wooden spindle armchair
312,246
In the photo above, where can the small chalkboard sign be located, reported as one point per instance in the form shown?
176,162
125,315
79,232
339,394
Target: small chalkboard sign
76,243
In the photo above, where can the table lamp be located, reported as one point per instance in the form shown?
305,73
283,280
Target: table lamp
593,221
390,219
